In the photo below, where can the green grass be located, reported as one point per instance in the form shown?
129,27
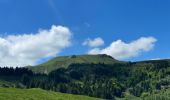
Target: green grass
38,94
65,61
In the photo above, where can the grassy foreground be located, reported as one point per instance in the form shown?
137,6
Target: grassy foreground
38,94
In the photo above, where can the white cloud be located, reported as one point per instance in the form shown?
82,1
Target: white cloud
26,49
155,59
121,50
94,43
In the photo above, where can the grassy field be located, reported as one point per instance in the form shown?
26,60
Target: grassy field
38,94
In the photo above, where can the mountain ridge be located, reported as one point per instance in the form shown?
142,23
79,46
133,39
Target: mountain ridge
65,61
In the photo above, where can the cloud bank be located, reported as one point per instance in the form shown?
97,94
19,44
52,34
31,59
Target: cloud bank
93,42
121,50
26,49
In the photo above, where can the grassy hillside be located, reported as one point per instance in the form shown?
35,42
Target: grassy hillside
38,94
65,61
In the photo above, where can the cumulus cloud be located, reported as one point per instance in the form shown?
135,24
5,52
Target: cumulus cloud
121,50
26,49
94,42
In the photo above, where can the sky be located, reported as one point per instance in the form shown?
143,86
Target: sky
34,31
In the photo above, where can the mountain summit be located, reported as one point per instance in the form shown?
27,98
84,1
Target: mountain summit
65,61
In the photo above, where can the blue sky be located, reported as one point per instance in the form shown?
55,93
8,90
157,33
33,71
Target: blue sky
111,20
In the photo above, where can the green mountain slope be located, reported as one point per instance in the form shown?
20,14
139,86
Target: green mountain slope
38,94
65,61
95,76
155,61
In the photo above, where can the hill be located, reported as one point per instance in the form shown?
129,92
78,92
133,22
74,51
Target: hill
38,94
104,77
65,61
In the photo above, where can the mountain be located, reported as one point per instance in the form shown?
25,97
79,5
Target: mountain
65,61
98,76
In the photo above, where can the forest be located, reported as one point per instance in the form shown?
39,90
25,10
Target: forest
107,81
